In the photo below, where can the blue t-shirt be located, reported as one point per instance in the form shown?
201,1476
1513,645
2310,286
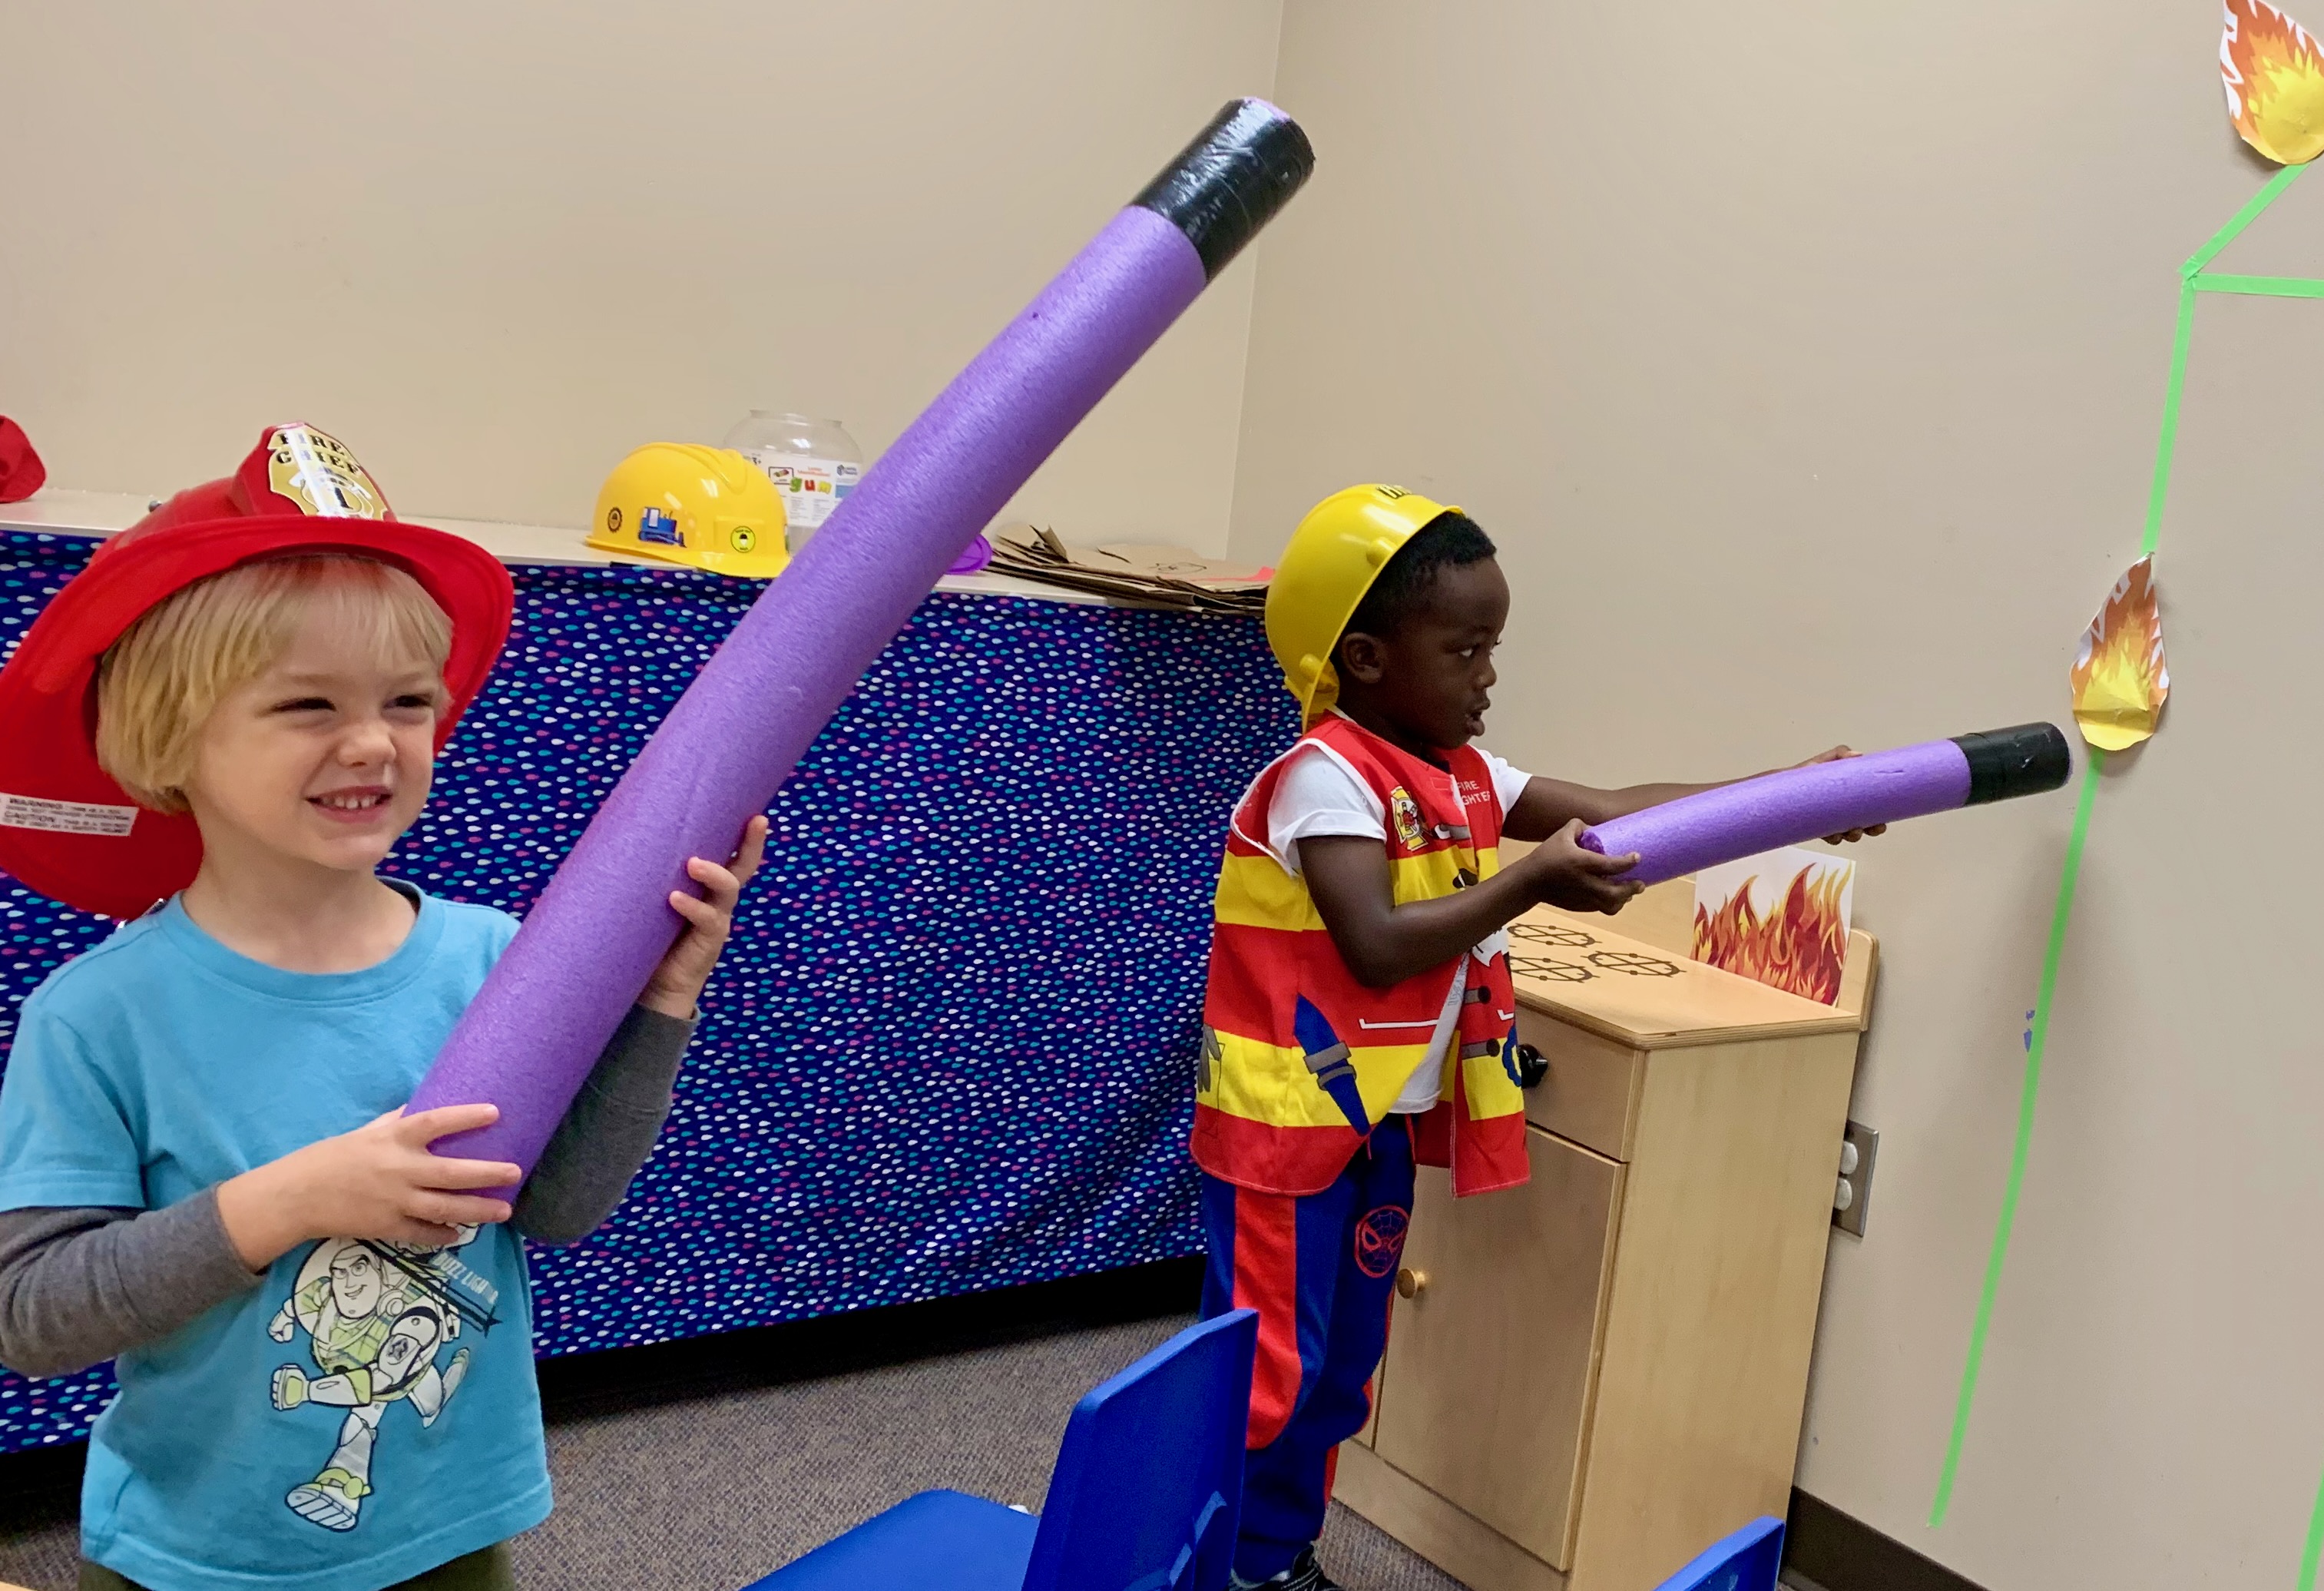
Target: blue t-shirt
369,1411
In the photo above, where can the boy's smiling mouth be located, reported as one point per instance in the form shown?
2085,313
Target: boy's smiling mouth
352,804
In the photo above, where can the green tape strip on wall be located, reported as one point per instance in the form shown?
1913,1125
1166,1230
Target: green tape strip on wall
2194,279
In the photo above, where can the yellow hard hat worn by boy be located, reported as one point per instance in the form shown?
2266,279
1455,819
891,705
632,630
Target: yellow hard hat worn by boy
707,507
1336,553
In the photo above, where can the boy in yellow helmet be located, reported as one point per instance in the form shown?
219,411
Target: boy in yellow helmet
1358,1014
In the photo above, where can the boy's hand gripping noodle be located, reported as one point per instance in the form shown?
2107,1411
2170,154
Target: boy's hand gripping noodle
534,1030
1742,819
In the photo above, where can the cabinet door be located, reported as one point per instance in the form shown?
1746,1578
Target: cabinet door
1492,1366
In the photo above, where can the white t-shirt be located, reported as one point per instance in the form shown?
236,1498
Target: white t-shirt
1321,794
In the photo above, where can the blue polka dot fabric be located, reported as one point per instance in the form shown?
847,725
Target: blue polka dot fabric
950,1046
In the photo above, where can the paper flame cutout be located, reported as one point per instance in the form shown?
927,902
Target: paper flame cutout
2118,676
2274,77
1799,947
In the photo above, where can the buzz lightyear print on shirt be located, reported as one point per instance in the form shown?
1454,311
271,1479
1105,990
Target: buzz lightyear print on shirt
378,1317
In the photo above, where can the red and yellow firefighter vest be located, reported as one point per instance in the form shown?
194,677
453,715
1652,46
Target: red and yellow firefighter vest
1300,1061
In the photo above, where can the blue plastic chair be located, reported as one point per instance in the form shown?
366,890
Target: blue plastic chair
1145,1497
1747,1561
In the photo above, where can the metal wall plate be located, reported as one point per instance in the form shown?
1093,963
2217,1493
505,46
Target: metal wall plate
1852,1198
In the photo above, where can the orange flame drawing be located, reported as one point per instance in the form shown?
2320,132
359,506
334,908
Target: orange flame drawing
2274,77
2118,679
1799,947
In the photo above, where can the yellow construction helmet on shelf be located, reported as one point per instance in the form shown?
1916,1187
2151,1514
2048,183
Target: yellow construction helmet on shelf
1336,553
677,503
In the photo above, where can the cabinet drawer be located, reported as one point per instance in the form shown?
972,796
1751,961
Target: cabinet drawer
1592,1092
1491,1369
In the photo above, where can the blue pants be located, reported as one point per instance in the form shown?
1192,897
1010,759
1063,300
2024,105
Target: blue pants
1320,1268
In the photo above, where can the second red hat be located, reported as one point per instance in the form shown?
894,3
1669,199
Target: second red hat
22,473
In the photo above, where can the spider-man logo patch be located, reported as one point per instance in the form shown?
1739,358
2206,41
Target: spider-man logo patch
1379,1239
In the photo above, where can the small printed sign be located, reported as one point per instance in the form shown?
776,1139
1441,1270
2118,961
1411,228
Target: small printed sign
21,812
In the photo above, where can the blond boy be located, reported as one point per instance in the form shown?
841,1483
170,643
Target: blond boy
320,1330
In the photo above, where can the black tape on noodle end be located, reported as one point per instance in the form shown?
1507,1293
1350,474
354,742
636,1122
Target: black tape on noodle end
1229,181
2004,764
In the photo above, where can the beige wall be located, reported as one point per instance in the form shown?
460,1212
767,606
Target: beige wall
1806,360
494,244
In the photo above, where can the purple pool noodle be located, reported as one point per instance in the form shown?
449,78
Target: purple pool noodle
528,1039
1742,819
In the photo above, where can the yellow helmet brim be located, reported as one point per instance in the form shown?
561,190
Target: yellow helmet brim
747,566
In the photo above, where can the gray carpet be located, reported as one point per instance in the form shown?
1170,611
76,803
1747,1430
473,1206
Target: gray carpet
709,1493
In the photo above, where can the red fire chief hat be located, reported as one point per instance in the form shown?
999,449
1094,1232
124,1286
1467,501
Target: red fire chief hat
66,828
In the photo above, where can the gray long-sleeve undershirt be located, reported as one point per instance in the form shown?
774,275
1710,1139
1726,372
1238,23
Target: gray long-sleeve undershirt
80,1285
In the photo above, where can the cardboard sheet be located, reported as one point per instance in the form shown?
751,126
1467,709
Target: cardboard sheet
1139,572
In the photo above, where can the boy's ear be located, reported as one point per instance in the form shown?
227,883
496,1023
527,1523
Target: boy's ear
1362,658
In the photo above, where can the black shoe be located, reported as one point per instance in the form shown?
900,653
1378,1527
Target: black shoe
1304,1575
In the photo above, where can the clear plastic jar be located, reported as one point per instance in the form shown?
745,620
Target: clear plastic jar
813,463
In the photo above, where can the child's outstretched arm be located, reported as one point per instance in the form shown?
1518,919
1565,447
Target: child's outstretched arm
1384,943
1548,805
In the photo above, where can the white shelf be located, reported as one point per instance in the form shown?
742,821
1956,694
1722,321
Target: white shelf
103,513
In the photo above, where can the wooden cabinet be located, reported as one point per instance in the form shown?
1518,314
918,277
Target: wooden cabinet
1598,1375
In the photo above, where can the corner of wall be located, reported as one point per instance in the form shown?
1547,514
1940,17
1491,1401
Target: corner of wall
1231,544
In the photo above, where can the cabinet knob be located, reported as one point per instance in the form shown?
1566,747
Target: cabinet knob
1409,1282
1532,1067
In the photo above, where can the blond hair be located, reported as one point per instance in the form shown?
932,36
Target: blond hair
159,683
